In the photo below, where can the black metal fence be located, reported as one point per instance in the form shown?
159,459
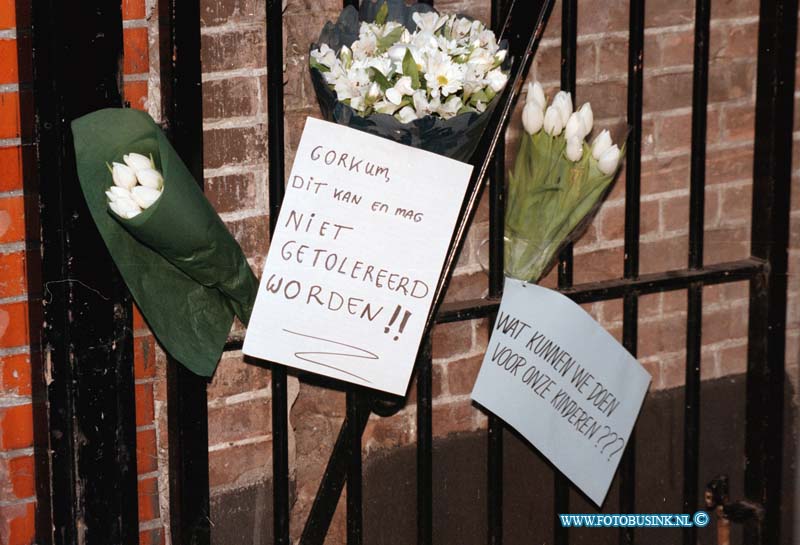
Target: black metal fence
86,345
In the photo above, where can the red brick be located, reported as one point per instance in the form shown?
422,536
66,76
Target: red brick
391,432
740,121
136,94
667,91
145,411
146,453
135,51
154,536
724,323
729,165
668,13
232,192
461,374
467,286
227,423
17,524
12,219
10,168
451,339
16,478
15,374
733,360
673,49
736,203
16,427
597,16
731,80
665,334
14,324
599,265
726,244
144,357
148,499
12,274
453,418
133,9
7,14
231,97
663,254
240,464
232,50
8,61
9,115
735,41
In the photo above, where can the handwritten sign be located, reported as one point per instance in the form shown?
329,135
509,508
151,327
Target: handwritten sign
359,246
563,382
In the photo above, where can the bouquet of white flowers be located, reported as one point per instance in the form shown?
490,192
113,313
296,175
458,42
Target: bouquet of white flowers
557,183
409,74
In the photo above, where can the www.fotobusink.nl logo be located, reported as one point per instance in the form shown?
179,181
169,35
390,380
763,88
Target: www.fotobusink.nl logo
699,519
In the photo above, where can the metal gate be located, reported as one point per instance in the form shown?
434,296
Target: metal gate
86,337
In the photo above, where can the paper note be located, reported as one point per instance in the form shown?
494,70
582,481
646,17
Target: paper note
563,382
358,250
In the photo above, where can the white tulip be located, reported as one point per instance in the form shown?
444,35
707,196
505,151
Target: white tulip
150,178
532,118
552,121
574,127
536,95
123,175
573,152
137,161
145,196
563,103
125,208
609,160
601,143
114,192
587,116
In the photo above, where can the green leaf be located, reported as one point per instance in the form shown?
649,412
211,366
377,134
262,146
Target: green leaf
479,96
390,39
321,67
379,78
410,69
383,12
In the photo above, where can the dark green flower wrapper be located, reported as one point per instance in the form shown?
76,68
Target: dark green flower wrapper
184,269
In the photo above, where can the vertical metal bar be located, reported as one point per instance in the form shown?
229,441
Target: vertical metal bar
424,445
569,46
187,408
355,529
280,397
694,337
494,447
86,333
775,81
633,161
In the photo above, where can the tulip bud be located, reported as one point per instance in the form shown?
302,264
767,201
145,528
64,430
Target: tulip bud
536,95
574,127
123,175
609,160
125,208
587,116
574,149
114,192
137,161
601,143
532,118
145,196
563,103
552,121
150,178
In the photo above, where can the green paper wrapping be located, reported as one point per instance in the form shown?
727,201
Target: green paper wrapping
184,269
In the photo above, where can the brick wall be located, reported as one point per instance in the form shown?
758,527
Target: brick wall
17,489
234,105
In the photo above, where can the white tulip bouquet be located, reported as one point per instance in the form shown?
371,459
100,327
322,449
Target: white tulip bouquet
137,185
410,74
557,183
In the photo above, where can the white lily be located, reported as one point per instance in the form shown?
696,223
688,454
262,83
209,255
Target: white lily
601,143
150,178
450,107
563,103
123,175
574,149
324,55
145,196
536,95
532,118
401,88
137,161
609,160
429,22
552,121
385,107
496,79
407,114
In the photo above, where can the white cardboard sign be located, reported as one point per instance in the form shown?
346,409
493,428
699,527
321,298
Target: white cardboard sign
359,246
563,382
